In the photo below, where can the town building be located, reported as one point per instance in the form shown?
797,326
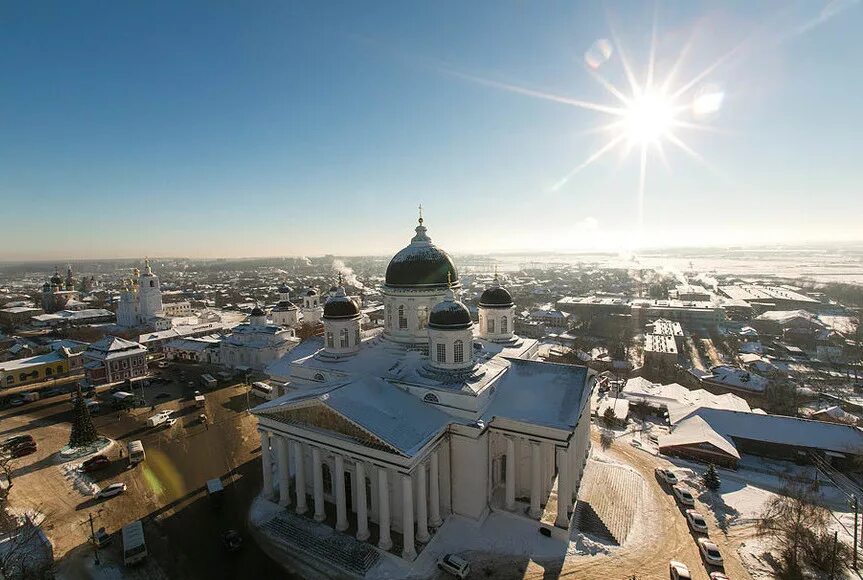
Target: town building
285,313
429,417
57,293
17,315
74,317
205,349
180,309
33,369
256,343
113,359
660,350
764,297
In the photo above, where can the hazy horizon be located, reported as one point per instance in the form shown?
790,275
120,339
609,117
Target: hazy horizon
277,129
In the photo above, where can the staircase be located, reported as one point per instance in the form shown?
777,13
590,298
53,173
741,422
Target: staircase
608,501
323,543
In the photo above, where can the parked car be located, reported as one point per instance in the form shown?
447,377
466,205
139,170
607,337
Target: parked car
666,475
23,449
111,490
17,440
51,392
653,438
709,551
95,463
678,571
683,495
455,565
171,422
16,401
232,540
696,522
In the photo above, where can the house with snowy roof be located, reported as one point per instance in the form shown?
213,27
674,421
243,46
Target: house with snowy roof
387,434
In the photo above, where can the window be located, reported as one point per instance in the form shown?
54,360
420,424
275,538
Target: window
503,324
458,351
431,398
59,369
422,317
490,325
343,338
403,321
328,478
9,380
330,343
389,315
49,371
441,352
152,284
357,339
22,377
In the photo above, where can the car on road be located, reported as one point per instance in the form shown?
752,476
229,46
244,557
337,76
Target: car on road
666,475
111,490
696,522
232,540
455,565
51,392
17,440
683,495
171,422
678,571
16,401
95,463
202,418
709,551
23,450
163,396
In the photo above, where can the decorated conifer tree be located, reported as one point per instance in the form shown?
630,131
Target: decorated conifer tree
83,431
711,478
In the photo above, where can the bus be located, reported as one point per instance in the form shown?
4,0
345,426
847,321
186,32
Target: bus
136,452
134,545
263,390
208,381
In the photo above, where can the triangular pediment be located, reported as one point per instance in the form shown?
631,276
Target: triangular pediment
322,418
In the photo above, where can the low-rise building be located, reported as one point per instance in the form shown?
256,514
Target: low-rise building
659,350
114,359
197,349
24,371
16,315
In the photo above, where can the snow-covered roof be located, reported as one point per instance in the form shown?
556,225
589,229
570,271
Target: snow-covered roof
540,393
786,316
678,400
696,430
114,347
620,407
736,378
29,362
395,417
782,430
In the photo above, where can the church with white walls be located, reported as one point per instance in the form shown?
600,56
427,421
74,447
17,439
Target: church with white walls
141,301
384,435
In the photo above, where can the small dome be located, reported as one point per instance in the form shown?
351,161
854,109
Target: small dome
495,297
339,306
256,311
421,264
56,279
449,315
285,289
312,292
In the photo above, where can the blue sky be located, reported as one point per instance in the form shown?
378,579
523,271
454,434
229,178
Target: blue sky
280,128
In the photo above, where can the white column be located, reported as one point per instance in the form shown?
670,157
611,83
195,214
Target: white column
510,473
300,470
535,479
409,551
341,505
564,495
318,478
362,508
284,471
434,491
266,465
385,542
422,505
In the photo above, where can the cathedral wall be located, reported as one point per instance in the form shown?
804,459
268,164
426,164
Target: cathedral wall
469,474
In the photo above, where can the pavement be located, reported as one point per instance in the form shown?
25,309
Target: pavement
183,526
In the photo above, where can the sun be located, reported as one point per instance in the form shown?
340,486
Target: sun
648,118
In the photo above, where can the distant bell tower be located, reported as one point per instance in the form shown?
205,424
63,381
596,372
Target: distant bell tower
149,293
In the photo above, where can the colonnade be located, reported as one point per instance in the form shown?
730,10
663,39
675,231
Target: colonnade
419,514
538,480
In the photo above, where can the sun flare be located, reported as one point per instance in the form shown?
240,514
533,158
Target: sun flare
648,118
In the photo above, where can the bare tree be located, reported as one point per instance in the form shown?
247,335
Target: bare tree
26,553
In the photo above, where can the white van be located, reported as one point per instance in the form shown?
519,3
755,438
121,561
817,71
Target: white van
263,390
134,545
136,452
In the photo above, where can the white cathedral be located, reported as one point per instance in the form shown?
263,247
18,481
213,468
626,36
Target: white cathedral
386,435
141,301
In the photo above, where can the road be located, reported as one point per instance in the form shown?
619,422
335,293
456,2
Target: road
183,527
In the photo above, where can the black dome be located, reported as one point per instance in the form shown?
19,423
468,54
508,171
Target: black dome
56,279
449,315
340,306
284,305
495,297
256,311
285,289
421,264
312,292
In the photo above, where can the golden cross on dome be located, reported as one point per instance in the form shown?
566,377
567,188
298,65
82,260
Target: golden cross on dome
421,213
